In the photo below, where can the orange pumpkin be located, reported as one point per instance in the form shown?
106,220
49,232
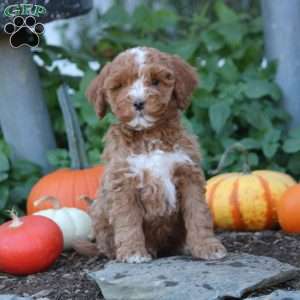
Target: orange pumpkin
289,210
67,185
246,201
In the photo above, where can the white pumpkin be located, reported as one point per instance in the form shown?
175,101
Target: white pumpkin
74,223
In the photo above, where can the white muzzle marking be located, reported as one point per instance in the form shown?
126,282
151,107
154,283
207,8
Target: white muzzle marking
138,91
141,122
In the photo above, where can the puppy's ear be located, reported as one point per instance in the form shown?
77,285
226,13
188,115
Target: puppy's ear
186,80
96,93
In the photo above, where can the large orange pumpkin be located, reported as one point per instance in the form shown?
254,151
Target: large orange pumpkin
289,210
246,201
67,185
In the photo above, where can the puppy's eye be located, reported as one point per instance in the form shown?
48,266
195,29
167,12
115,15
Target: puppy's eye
155,82
168,76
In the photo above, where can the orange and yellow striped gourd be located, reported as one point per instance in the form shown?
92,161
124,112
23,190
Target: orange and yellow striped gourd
246,201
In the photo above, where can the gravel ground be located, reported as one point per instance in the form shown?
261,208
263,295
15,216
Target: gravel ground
67,278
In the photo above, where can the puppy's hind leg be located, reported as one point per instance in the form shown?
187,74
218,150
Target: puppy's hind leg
200,239
104,239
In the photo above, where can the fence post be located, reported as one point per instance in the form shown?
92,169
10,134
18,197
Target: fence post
281,21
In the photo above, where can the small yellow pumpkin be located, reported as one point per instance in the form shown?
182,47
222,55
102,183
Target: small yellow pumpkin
246,201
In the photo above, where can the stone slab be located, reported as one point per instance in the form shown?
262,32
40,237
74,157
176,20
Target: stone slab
14,297
178,278
279,295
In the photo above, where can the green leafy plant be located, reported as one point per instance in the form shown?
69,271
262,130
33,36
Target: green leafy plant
237,99
16,180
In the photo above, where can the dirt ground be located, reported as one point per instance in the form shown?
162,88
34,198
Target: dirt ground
68,279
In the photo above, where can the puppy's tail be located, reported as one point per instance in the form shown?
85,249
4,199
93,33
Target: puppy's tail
85,248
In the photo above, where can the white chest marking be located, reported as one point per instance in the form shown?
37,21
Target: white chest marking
160,164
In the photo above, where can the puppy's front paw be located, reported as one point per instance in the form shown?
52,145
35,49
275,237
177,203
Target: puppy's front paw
210,248
136,257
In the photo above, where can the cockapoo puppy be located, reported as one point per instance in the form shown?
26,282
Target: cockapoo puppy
152,196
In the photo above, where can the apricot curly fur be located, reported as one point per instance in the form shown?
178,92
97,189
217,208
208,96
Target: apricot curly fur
133,216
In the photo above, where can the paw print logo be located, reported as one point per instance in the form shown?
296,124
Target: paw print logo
24,31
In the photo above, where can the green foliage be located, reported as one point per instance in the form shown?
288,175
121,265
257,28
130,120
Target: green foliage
237,101
16,180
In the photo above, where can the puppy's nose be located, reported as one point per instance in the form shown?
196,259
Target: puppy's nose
139,105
